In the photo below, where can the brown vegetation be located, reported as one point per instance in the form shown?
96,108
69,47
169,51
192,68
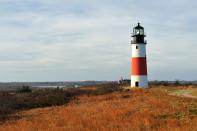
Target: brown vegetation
97,109
24,98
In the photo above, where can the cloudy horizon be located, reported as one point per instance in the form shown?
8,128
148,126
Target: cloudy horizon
64,40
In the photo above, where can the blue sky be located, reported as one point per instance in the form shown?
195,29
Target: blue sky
71,40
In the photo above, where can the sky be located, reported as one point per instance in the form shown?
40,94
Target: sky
77,40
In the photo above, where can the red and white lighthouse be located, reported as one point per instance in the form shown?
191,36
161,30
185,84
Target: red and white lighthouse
138,62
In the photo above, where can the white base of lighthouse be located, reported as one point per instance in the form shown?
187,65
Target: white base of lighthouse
139,81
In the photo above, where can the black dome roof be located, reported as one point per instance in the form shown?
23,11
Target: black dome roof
138,26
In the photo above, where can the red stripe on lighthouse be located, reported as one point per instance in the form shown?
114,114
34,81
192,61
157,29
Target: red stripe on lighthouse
139,66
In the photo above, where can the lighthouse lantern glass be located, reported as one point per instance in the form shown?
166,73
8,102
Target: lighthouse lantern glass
141,32
138,32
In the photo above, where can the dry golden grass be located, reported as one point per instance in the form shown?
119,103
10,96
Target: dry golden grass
134,110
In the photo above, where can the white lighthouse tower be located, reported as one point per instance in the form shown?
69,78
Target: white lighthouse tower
138,62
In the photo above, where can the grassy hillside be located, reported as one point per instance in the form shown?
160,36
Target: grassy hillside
107,108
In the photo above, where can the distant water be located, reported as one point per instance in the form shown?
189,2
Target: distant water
49,86
63,84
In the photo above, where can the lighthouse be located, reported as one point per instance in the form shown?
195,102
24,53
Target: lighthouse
138,61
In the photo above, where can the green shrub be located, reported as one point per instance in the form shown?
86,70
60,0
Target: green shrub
177,83
24,89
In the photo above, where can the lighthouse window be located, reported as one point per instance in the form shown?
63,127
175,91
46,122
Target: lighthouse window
136,47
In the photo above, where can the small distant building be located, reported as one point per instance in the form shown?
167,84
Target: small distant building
123,81
138,61
76,86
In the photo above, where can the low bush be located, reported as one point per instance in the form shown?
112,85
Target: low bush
24,89
106,88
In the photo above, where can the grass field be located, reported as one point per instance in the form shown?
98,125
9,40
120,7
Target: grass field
104,109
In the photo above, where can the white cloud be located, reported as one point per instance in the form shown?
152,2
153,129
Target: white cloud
80,40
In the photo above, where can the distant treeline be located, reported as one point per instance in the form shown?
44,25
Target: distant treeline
16,85
164,83
173,83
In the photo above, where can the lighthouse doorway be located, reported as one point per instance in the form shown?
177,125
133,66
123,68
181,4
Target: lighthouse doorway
136,84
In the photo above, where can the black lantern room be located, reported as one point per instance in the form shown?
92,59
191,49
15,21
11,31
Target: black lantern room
138,35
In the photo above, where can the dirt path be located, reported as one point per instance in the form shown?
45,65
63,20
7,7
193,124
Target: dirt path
183,93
